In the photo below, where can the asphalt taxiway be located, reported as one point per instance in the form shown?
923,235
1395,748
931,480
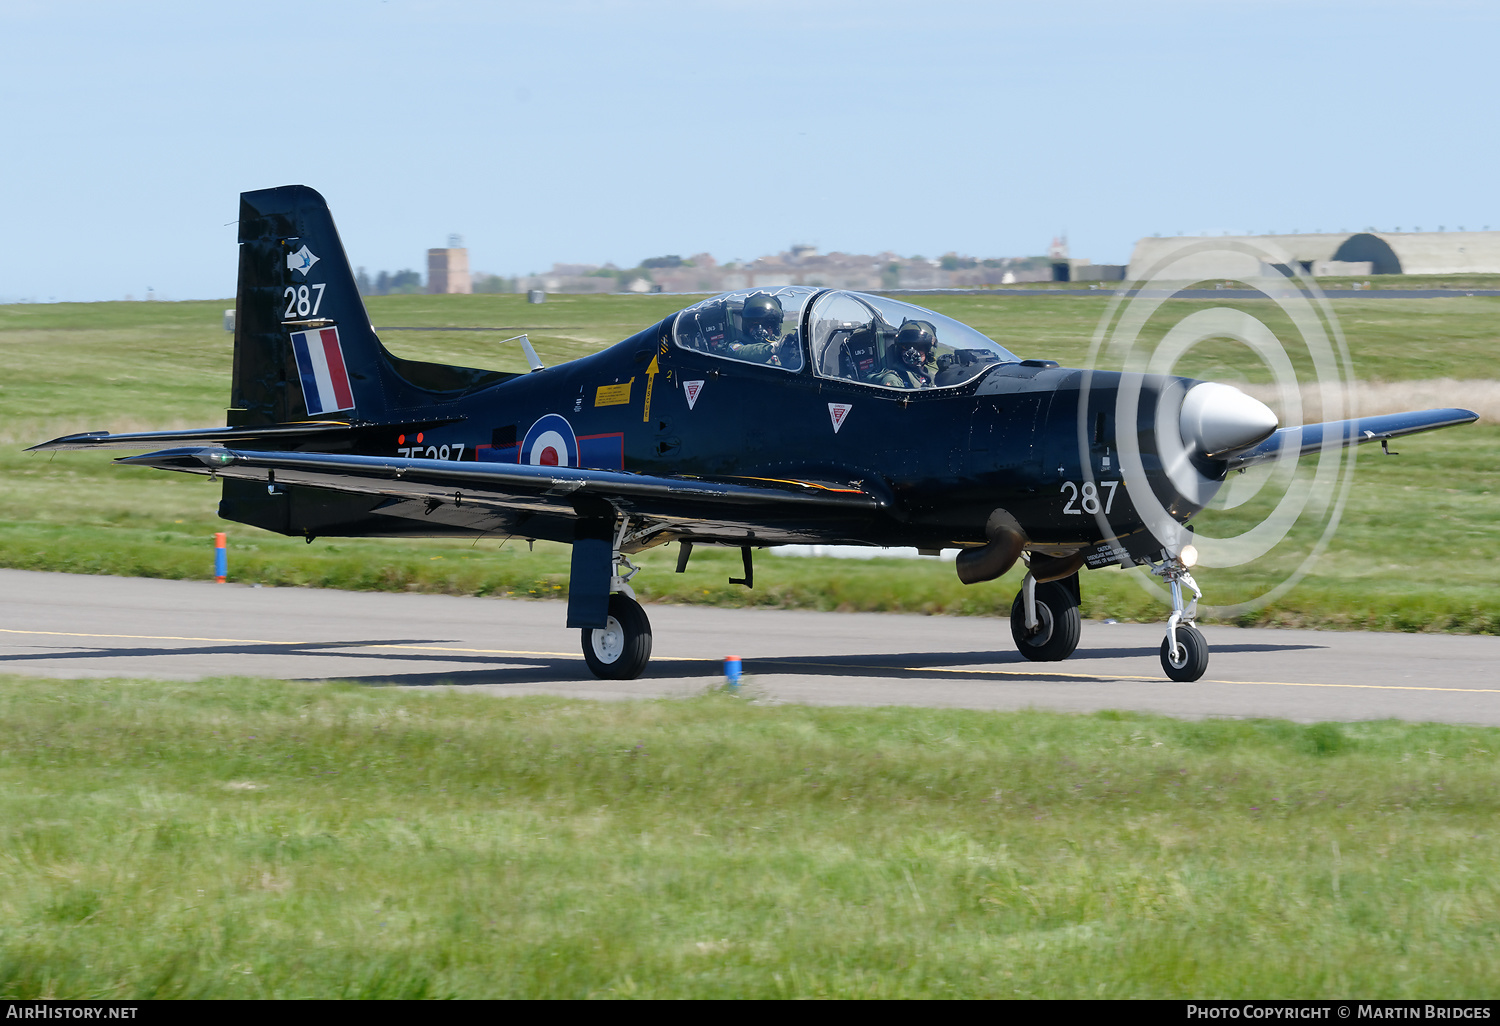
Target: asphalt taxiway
75,626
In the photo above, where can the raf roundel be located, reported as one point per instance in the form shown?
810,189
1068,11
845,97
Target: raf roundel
550,443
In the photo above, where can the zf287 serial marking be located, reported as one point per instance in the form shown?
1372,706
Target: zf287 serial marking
433,452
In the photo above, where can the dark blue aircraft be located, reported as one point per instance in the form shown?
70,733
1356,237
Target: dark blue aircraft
760,417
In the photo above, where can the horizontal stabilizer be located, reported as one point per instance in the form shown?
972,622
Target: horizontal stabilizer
311,431
223,435
1311,438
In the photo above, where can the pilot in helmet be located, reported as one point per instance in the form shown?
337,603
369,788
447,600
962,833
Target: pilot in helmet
910,360
761,317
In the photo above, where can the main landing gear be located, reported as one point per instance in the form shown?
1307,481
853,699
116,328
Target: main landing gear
1184,652
621,648
1044,619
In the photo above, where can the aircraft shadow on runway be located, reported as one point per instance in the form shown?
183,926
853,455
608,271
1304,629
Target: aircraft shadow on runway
229,649
1013,667
553,669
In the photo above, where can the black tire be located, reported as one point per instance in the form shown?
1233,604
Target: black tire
621,650
1192,661
1061,624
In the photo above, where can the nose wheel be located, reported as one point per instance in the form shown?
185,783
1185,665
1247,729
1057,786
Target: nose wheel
1189,659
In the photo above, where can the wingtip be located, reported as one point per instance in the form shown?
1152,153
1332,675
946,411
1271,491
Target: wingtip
80,440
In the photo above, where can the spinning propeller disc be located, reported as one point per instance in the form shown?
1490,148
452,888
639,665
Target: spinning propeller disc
1285,349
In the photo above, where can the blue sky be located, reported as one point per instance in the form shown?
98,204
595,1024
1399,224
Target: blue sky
609,131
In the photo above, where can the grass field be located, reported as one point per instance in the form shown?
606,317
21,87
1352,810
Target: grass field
240,838
1415,551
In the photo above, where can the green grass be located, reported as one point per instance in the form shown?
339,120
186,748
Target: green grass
1415,550
1404,282
240,838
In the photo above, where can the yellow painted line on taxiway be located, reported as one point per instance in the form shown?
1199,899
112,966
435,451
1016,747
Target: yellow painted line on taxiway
290,644
480,651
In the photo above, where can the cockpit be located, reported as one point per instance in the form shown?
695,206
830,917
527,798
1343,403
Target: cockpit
886,342
752,325
861,338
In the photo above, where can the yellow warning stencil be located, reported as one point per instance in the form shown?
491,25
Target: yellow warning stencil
614,395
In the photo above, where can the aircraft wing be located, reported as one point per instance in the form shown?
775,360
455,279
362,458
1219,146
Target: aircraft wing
1310,438
471,494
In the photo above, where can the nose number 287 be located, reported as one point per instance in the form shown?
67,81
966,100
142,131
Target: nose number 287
1087,496
302,302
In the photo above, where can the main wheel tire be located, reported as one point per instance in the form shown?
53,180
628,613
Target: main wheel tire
621,649
1060,626
1191,659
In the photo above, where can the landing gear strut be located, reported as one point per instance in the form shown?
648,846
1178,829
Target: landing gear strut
1045,621
621,648
1184,652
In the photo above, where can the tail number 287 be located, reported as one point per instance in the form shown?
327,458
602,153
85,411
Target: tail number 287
1087,496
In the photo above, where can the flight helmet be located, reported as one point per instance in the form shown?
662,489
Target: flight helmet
914,343
762,317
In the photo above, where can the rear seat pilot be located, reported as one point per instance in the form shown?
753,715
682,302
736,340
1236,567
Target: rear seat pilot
910,361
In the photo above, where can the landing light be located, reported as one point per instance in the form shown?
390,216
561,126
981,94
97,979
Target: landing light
1188,557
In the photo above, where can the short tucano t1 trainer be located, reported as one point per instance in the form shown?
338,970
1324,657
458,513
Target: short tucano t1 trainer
766,416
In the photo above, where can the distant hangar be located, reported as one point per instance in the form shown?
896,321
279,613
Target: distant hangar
1334,254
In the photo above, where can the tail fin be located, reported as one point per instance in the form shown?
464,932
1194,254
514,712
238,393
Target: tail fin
303,345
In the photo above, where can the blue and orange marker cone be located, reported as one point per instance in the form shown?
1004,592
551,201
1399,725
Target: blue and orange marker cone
732,669
221,557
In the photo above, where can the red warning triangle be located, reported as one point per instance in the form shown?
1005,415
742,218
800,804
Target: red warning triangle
837,412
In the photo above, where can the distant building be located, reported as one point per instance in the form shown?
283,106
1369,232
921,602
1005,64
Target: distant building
448,270
803,265
1330,254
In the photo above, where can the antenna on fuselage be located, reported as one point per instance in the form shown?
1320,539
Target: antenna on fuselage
531,357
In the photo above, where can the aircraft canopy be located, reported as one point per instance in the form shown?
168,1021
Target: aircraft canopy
858,337
850,335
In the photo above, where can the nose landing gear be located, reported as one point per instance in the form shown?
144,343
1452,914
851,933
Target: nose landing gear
1184,652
